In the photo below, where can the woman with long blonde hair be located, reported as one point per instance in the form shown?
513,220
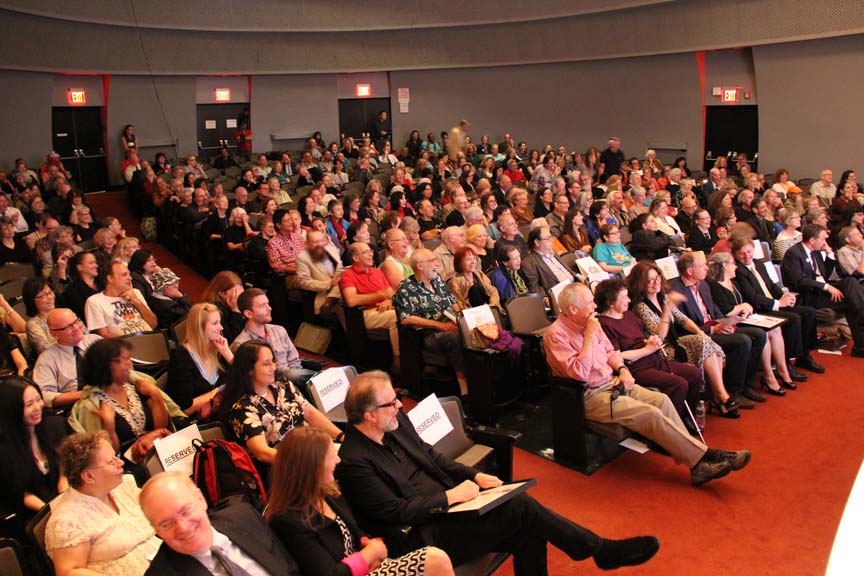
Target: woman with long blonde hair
196,370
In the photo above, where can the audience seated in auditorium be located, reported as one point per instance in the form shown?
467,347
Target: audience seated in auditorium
758,289
126,404
97,524
383,462
198,365
319,268
314,522
255,307
424,301
542,268
119,309
58,370
576,347
807,268
29,439
223,541
645,358
743,345
260,410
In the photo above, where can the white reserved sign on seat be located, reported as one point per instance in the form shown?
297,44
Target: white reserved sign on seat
668,267
430,420
478,315
331,385
589,267
176,452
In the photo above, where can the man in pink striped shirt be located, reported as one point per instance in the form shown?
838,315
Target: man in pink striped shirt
576,347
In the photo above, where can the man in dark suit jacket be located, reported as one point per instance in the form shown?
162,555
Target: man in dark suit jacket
393,480
807,271
743,346
765,231
759,290
194,542
542,267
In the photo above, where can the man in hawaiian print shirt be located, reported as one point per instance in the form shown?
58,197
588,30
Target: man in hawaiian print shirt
423,300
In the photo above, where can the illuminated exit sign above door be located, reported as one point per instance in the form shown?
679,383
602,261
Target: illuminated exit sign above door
76,97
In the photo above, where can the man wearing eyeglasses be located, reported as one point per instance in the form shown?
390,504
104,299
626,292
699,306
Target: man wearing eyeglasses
57,370
423,300
233,540
543,268
392,479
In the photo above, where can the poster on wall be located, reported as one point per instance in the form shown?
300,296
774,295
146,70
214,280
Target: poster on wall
231,123
403,107
209,124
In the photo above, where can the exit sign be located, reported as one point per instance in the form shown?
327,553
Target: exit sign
222,94
76,97
730,95
363,90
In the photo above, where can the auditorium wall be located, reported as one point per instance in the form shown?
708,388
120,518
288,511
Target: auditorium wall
806,93
810,105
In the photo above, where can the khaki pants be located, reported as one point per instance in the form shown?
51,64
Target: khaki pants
387,319
651,414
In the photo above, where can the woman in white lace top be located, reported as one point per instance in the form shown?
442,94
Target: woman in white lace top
96,526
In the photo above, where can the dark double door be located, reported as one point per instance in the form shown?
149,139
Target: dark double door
731,129
357,114
78,136
216,126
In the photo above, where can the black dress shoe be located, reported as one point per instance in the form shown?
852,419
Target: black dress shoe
795,375
807,363
630,552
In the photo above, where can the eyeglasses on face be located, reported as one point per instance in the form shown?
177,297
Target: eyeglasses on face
395,403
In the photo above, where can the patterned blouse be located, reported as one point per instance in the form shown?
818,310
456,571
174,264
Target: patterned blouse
254,415
414,299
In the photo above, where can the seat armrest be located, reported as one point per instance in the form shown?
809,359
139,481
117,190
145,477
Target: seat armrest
501,441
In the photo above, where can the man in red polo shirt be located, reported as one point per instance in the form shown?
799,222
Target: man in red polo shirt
364,285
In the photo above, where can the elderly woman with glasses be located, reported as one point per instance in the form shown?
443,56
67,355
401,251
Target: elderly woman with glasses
96,525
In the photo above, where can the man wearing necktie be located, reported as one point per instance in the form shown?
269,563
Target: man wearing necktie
759,290
58,368
807,269
232,541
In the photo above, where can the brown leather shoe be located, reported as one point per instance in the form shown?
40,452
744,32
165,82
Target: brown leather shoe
753,394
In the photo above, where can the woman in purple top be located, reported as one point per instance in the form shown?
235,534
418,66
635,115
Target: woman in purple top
644,355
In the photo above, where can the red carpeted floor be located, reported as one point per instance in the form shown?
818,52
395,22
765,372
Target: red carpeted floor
778,516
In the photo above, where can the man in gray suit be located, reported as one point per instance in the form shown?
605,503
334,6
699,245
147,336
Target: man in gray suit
542,267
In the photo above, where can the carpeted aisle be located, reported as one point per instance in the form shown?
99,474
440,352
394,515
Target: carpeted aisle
778,516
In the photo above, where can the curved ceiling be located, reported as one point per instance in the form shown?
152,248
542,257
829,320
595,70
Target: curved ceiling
52,44
311,15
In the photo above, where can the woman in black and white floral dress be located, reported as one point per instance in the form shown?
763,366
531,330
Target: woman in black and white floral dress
261,410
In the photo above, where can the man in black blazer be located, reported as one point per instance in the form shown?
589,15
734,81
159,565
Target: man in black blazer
743,345
198,544
807,271
759,290
765,231
542,267
401,488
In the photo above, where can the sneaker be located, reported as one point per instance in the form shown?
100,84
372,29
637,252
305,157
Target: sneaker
629,552
705,471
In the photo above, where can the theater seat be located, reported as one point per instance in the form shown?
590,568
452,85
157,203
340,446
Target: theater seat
584,445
